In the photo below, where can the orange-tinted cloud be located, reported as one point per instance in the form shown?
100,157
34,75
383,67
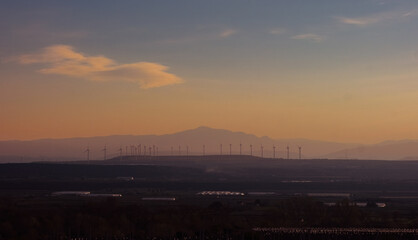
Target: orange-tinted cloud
227,33
308,36
358,21
376,18
277,31
64,60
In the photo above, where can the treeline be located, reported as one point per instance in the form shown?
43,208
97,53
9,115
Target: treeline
112,219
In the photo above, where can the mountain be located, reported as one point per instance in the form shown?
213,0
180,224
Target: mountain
193,140
388,150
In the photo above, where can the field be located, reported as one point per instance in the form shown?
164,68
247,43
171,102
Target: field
211,197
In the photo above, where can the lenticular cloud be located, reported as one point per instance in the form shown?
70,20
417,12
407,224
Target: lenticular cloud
64,60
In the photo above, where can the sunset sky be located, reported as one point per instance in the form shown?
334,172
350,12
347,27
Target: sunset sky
331,70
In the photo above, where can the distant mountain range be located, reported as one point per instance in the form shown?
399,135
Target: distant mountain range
192,141
388,150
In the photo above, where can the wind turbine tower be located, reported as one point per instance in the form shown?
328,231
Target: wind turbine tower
104,151
240,148
251,149
288,152
300,152
230,149
262,151
204,149
88,154
221,148
120,153
274,151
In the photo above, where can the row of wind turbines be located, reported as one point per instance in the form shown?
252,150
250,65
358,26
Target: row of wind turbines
152,150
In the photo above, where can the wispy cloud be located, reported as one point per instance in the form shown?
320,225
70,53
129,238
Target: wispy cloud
358,21
376,18
309,36
277,31
38,30
227,33
203,34
64,60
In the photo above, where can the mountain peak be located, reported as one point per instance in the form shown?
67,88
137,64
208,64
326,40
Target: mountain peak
203,128
191,140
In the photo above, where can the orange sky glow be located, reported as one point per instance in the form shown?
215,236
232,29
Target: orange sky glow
335,74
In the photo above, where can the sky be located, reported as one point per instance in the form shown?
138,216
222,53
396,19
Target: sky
333,70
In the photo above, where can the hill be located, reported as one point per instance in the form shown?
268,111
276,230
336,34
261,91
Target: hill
388,150
168,144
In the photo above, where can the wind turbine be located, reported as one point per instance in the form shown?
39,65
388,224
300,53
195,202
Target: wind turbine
274,151
287,152
88,154
240,149
221,148
230,149
300,152
104,151
262,151
251,149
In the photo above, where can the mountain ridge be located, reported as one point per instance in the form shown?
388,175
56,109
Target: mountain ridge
191,141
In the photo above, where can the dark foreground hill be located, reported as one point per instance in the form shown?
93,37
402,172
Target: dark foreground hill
218,169
244,167
161,198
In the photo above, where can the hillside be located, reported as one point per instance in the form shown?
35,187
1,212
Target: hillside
194,139
389,150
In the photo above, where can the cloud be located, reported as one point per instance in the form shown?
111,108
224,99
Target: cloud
39,31
64,60
277,31
309,36
358,21
227,33
203,34
376,18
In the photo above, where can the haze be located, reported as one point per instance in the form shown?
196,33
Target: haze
342,71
